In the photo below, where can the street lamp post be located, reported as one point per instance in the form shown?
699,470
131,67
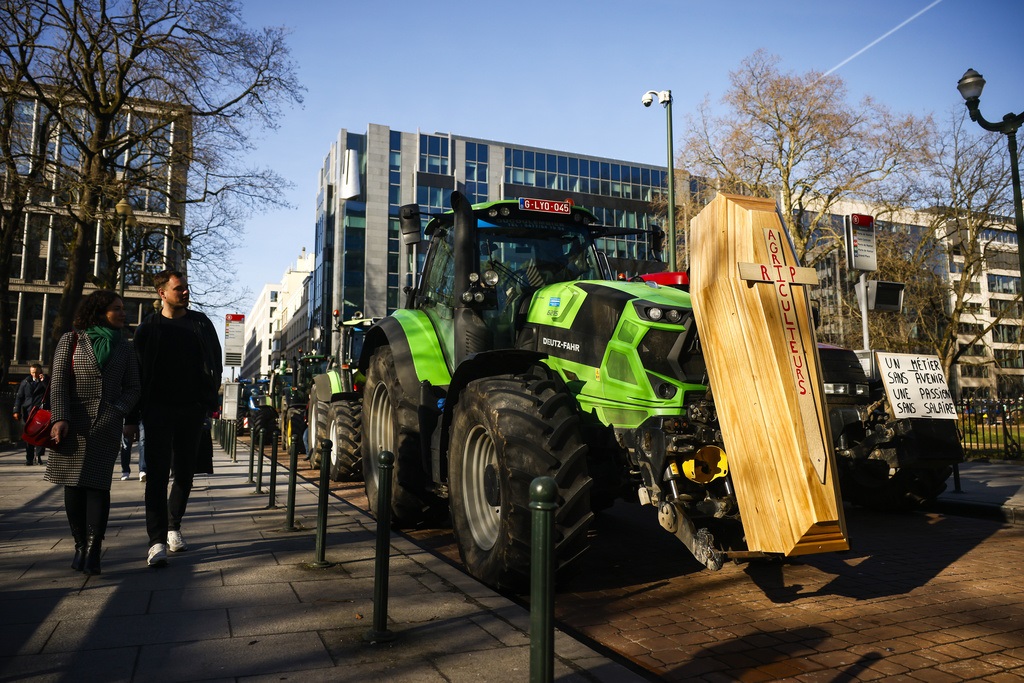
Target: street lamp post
970,86
665,98
125,219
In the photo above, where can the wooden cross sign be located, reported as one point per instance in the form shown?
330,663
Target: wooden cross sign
753,316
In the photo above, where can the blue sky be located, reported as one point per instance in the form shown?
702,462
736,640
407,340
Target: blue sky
569,74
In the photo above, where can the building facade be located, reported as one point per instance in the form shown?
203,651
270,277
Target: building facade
361,268
276,326
150,241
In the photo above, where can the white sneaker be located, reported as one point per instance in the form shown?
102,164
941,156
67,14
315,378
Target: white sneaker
175,541
157,555
125,477
142,476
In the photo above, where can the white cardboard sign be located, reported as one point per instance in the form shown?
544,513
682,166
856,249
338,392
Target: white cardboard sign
916,386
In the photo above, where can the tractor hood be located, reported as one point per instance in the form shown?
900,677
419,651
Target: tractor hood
630,341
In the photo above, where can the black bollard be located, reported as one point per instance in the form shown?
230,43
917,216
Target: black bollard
232,440
321,508
259,467
293,465
272,502
956,479
252,453
380,633
543,503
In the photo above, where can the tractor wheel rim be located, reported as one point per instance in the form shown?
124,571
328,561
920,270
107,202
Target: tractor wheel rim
381,429
479,465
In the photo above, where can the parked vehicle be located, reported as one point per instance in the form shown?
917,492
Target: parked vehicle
335,405
517,355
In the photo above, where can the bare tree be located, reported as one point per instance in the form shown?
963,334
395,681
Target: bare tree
969,195
939,235
796,137
139,90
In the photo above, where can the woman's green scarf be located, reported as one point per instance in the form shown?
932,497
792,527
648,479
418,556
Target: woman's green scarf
104,339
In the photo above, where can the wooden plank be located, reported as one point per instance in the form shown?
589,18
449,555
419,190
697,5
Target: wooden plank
753,315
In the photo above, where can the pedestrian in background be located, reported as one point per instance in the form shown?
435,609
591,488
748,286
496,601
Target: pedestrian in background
125,456
31,394
95,385
180,362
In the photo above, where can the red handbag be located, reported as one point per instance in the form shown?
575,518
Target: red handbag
39,420
37,428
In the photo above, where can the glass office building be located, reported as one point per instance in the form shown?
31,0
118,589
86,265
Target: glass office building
360,264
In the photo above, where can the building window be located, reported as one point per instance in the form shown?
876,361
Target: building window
434,154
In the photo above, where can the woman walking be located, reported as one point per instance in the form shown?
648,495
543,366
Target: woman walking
94,384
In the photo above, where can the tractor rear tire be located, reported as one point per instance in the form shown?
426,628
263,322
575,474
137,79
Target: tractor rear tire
506,431
390,424
343,429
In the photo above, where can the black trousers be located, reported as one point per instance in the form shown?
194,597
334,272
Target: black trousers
172,441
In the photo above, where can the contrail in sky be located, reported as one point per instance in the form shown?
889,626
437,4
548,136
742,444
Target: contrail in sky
876,41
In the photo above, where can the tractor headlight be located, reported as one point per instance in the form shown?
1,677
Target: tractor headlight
490,278
648,310
474,278
861,389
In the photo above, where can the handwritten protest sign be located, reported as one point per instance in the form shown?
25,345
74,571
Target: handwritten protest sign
916,386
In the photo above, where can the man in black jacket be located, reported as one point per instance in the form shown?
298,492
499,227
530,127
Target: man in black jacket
31,393
180,361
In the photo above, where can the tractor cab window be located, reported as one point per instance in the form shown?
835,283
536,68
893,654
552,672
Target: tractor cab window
537,257
437,288
526,259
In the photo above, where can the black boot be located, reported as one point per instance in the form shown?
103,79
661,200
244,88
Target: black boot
74,505
93,550
78,561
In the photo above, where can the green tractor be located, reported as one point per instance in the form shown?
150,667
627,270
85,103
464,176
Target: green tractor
516,356
335,408
290,389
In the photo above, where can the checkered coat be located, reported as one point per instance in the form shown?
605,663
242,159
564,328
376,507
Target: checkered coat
95,403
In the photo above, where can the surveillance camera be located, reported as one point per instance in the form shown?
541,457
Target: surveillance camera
648,99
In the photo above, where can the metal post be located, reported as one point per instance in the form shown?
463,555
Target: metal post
321,509
380,632
293,465
543,503
259,468
863,297
233,440
1018,208
272,501
252,452
671,189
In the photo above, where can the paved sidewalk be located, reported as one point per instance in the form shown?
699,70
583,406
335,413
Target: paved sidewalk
243,602
988,488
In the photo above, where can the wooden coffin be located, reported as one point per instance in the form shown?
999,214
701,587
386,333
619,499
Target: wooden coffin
754,318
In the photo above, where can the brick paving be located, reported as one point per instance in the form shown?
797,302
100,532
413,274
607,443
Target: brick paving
920,597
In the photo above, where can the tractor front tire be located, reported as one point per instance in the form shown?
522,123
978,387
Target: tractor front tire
506,431
390,424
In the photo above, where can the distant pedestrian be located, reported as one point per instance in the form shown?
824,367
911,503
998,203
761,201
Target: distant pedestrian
125,455
95,384
180,360
31,394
